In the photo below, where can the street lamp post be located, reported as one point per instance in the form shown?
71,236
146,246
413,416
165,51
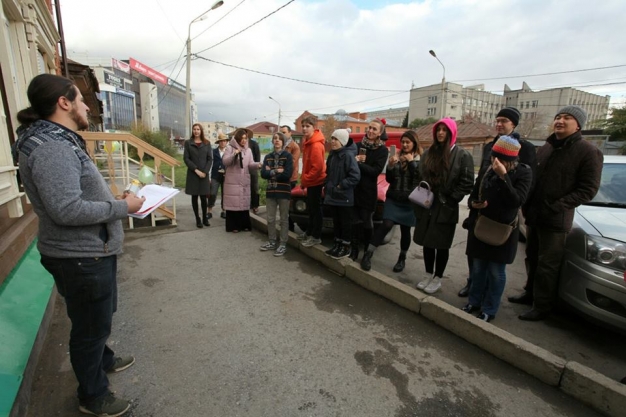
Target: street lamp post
187,120
278,110
443,84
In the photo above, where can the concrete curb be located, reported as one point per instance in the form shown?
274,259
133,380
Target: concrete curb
580,382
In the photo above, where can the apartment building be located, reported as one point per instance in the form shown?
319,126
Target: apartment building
537,107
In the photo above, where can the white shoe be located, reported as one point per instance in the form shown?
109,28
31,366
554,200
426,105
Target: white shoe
434,286
311,241
303,236
424,283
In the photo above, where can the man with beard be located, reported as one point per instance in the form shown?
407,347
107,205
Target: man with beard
80,231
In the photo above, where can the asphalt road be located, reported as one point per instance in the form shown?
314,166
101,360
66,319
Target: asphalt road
221,329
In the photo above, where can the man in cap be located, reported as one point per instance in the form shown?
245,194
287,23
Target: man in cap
507,120
568,175
217,174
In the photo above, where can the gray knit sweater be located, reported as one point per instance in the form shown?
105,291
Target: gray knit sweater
78,215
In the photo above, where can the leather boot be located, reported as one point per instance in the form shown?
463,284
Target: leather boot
399,266
199,222
366,262
354,251
206,221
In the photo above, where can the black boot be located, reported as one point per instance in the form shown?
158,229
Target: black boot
199,223
399,266
354,252
206,221
342,251
366,262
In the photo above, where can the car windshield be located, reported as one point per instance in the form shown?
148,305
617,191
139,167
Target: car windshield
612,190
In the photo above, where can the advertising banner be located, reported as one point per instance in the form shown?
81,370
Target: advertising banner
122,66
113,80
176,85
147,71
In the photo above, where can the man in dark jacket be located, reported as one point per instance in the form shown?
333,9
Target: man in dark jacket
217,175
507,120
568,175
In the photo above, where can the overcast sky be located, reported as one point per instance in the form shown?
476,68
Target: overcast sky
366,44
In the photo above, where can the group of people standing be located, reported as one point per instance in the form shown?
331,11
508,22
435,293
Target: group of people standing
512,179
80,220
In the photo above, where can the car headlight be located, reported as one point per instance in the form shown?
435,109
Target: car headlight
300,206
606,252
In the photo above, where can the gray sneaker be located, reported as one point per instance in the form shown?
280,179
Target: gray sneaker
105,406
303,237
311,242
268,246
280,250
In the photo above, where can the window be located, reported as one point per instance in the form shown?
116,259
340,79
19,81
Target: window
358,129
528,104
455,95
453,107
432,99
535,103
431,111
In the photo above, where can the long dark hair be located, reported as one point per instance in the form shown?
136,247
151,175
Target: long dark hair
437,164
43,93
204,140
412,136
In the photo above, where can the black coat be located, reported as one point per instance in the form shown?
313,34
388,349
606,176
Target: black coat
527,155
504,198
567,176
342,176
435,226
366,192
402,182
198,157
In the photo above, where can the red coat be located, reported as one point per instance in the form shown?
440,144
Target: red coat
313,162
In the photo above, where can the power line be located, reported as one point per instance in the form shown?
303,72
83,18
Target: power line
168,19
298,80
541,75
243,30
218,20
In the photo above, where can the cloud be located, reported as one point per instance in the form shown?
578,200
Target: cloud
383,45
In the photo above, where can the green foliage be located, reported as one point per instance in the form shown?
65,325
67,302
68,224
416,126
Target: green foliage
421,122
159,140
180,172
616,124
405,121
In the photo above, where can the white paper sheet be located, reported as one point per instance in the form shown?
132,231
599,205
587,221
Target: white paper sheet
156,195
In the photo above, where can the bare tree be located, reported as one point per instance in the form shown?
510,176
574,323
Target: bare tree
534,126
331,123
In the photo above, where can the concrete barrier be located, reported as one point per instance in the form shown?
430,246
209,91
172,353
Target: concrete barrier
594,389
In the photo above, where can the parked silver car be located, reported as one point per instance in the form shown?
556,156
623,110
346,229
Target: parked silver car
593,277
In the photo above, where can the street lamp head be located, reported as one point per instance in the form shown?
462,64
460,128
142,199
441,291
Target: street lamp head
217,4
432,53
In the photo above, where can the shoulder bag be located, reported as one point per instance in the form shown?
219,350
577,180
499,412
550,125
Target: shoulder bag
490,231
421,195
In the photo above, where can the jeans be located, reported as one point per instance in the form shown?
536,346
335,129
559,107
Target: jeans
89,286
216,185
314,204
282,204
437,258
488,281
544,253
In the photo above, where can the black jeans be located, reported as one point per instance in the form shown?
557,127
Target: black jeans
254,190
314,204
89,286
342,223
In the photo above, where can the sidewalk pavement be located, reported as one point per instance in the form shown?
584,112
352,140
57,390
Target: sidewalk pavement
583,360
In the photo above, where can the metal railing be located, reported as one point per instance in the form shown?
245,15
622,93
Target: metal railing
119,168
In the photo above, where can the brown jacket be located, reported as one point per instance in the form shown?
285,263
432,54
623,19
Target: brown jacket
567,176
294,150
